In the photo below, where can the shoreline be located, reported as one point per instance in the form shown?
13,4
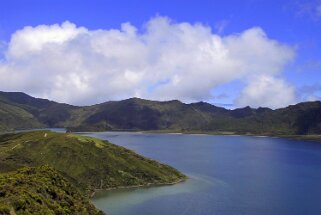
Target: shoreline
92,195
310,137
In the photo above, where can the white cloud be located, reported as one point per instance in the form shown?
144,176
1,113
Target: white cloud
267,91
166,61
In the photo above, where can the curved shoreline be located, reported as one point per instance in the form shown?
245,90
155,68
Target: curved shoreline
310,137
138,186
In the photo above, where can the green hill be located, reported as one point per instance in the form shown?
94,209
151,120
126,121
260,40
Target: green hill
18,110
86,162
21,111
41,190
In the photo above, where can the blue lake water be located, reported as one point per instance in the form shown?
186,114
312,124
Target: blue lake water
228,175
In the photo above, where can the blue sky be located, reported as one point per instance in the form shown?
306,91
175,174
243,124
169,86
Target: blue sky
296,24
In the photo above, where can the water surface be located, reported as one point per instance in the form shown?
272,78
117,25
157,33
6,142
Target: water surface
228,175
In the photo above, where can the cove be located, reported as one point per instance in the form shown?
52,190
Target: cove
228,175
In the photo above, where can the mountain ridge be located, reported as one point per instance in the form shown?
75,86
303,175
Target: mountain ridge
19,110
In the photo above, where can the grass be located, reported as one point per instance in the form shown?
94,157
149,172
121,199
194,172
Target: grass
88,163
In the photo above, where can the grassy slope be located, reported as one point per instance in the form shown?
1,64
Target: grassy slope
34,112
41,190
15,117
87,162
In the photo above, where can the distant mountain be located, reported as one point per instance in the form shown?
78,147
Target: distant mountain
18,110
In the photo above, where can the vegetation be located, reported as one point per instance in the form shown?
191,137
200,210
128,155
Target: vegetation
88,163
41,190
18,110
43,172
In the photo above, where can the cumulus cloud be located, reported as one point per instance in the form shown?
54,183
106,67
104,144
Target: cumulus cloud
165,60
267,91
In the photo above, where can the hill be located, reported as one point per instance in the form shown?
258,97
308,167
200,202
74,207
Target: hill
41,190
18,110
88,163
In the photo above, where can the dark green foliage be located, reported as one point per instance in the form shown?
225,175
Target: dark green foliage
41,190
86,162
128,116
18,110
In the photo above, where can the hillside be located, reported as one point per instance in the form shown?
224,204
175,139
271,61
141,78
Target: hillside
41,190
18,110
88,163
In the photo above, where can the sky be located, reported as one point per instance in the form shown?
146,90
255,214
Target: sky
229,53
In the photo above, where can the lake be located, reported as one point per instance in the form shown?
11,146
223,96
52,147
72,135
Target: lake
228,175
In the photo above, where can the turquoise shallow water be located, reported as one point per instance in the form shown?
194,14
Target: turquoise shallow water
228,175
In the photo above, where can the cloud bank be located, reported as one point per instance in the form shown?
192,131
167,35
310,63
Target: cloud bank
267,91
164,60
